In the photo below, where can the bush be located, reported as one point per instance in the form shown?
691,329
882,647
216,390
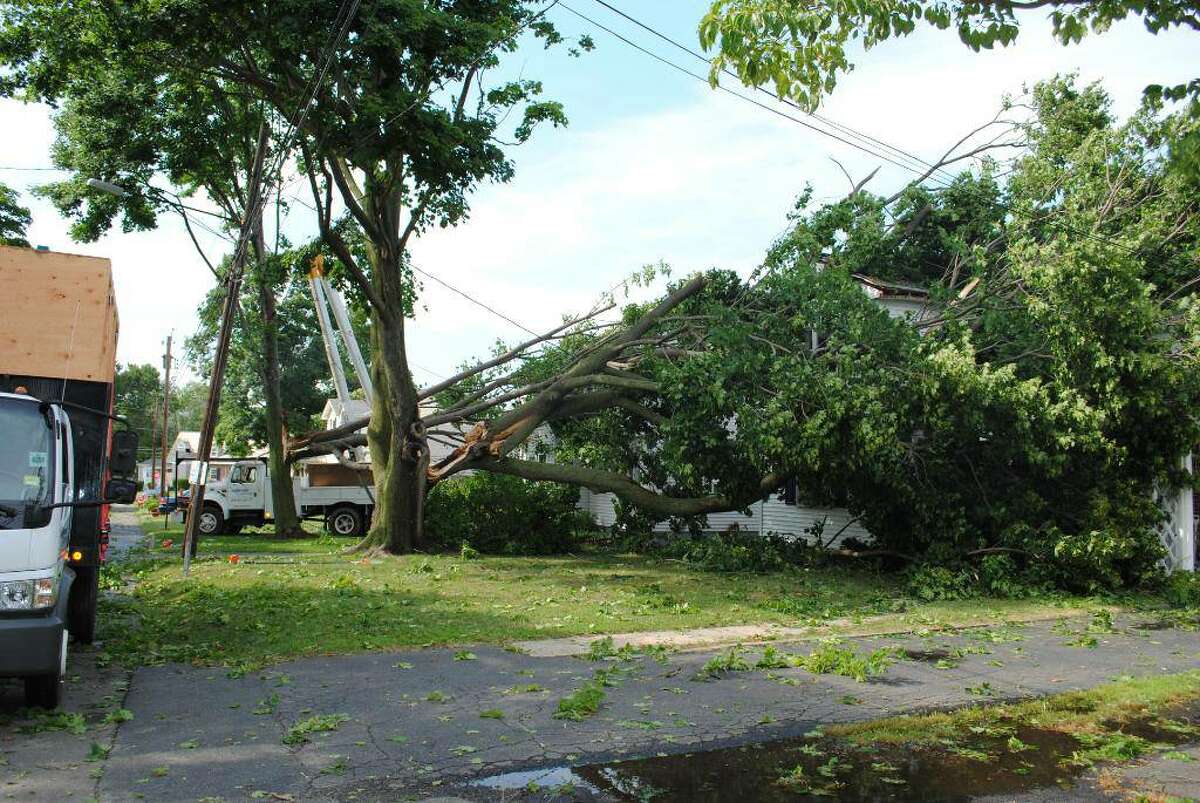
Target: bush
498,514
934,583
1182,590
996,575
737,550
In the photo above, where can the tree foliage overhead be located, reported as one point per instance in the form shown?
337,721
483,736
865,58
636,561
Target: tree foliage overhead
138,390
801,48
14,218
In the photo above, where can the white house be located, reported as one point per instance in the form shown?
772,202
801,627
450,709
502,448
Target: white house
336,414
184,452
1178,530
900,299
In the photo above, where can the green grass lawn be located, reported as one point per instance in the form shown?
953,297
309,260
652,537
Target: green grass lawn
1104,709
289,598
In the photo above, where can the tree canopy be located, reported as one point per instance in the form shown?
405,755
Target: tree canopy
801,48
139,399
14,218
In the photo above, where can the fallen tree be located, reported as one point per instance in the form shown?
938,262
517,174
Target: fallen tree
489,413
1032,408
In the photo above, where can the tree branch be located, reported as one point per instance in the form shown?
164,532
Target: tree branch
603,481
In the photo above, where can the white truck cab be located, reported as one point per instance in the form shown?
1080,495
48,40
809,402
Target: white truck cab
36,482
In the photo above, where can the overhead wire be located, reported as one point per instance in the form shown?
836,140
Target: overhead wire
848,130
744,97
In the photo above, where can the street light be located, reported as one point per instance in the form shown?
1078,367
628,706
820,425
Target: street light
104,186
121,192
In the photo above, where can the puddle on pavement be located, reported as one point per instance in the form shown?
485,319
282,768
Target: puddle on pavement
1001,761
1168,624
927,656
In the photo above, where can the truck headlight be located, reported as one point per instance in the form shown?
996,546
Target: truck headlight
26,595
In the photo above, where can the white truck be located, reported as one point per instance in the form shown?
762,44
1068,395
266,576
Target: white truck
61,461
243,497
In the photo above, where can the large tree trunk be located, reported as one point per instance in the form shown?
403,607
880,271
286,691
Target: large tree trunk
287,522
399,454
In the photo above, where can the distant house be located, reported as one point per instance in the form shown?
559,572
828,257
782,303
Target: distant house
184,452
769,515
335,414
900,299
1178,529
147,473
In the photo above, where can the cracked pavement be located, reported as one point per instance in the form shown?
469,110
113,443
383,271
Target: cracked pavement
414,730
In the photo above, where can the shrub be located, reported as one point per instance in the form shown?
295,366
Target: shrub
498,514
934,583
1182,590
737,550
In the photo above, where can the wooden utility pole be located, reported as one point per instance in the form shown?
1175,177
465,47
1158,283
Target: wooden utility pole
233,286
166,411
153,450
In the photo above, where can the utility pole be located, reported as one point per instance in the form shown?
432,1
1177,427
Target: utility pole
153,452
233,286
166,409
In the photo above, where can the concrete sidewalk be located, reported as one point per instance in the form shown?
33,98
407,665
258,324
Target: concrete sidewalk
414,723
51,762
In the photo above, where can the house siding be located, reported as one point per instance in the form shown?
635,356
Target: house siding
769,516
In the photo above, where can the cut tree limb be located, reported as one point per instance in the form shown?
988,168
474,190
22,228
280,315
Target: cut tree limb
603,481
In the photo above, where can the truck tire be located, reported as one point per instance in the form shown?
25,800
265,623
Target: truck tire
45,691
345,520
212,521
81,607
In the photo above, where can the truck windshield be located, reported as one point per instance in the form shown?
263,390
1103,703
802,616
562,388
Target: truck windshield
26,465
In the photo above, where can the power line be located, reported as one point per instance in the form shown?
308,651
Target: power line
673,65
849,131
741,96
447,285
475,301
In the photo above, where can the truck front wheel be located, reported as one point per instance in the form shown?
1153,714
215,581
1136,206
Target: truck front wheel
212,522
81,607
45,691
345,520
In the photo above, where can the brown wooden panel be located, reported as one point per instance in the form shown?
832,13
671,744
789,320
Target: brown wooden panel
58,315
326,475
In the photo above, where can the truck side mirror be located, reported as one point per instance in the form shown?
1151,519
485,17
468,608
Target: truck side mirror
122,492
124,452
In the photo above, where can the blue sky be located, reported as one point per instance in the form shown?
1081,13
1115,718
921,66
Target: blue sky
654,166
